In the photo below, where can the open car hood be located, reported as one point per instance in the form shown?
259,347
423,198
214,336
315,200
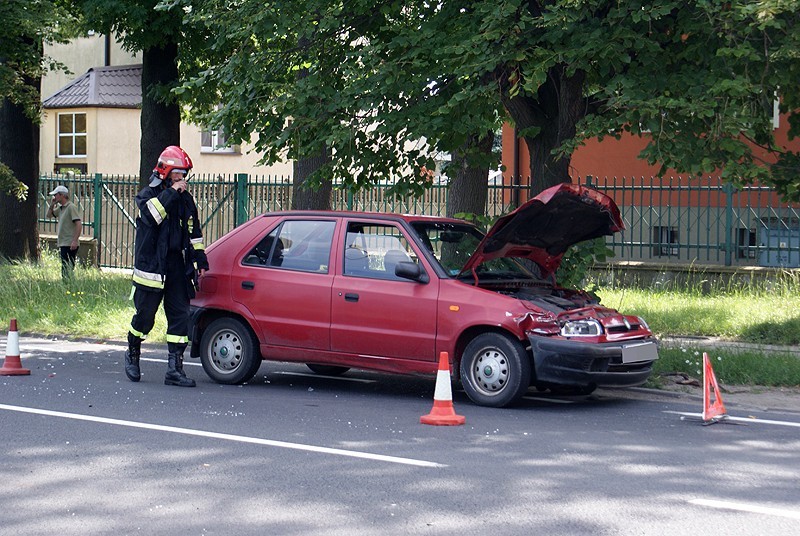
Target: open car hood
546,226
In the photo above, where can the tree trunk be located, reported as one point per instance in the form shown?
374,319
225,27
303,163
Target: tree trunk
19,150
467,191
303,196
555,112
160,121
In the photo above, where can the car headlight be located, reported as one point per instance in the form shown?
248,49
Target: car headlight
643,323
582,328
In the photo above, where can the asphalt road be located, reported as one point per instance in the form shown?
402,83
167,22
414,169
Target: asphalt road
85,451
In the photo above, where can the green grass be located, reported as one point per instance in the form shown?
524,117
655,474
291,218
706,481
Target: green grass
93,304
767,313
745,367
96,305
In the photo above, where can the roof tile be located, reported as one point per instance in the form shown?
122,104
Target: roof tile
106,87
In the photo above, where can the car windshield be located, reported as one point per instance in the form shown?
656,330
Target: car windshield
453,244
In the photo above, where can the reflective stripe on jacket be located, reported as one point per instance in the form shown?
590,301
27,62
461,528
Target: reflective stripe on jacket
164,212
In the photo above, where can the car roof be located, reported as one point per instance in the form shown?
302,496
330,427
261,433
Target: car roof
408,218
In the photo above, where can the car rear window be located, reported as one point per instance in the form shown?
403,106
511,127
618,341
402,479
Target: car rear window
303,245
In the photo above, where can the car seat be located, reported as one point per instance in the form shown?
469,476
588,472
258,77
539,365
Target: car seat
356,261
392,258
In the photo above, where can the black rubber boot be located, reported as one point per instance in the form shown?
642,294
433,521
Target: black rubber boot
132,358
175,374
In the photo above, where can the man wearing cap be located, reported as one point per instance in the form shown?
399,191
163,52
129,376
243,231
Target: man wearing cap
69,228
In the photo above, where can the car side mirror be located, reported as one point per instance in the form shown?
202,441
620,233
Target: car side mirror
412,271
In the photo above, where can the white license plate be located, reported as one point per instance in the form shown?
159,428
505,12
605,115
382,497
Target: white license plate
636,353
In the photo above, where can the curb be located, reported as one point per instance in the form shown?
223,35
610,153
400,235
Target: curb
673,341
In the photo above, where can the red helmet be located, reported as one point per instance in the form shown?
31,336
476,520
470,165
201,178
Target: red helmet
173,157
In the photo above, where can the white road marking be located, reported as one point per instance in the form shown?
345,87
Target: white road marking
226,437
741,507
361,380
739,419
158,360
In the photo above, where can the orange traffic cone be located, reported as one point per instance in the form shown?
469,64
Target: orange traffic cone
711,411
443,413
12,365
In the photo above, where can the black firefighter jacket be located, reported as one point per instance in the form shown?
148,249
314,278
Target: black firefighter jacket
167,223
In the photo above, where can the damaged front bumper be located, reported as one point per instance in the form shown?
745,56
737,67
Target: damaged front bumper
577,363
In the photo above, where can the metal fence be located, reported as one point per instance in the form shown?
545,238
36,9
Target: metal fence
673,220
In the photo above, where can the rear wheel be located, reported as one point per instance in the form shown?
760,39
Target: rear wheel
229,351
495,370
327,370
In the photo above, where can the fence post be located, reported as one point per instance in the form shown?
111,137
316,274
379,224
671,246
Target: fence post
241,200
728,189
97,219
350,199
589,181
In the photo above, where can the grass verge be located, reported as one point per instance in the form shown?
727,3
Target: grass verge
731,367
95,304
765,312
92,304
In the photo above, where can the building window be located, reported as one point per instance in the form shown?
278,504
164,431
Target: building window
663,240
74,167
216,141
745,243
72,135
776,112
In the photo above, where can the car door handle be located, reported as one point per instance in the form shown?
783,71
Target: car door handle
248,285
351,297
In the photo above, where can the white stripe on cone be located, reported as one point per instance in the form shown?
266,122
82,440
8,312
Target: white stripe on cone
12,344
443,391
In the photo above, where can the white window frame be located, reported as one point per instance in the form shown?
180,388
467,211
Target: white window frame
73,134
218,142
776,113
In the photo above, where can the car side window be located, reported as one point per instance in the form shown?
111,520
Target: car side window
303,245
374,250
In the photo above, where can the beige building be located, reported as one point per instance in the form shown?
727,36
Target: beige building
91,120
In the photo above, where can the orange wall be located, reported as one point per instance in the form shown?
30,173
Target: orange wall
615,161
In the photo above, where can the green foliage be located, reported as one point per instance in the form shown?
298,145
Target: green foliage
371,85
137,23
385,89
10,185
482,222
27,25
579,260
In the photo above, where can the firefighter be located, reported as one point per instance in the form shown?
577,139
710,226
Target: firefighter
168,258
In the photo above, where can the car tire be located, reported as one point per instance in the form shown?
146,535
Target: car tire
495,370
327,370
229,351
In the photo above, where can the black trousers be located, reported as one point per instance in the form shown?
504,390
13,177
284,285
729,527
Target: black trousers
68,256
176,304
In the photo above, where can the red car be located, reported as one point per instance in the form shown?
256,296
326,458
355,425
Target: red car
388,292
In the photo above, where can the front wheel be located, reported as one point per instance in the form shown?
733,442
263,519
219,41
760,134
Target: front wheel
229,351
495,370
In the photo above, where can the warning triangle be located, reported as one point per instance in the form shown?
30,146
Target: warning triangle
712,410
